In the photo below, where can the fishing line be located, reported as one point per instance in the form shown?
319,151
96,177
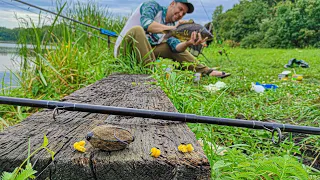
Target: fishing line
15,6
205,10
211,25
90,33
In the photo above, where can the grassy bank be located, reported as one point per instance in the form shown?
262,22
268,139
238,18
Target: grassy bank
80,59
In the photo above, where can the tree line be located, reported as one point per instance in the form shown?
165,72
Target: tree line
9,34
269,23
12,35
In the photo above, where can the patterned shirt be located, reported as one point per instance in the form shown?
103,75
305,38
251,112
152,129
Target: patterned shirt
149,10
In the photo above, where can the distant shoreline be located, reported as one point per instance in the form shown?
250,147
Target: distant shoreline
9,42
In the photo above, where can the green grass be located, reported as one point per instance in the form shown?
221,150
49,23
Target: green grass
80,59
293,103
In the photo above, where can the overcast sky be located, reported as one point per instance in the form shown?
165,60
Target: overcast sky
8,8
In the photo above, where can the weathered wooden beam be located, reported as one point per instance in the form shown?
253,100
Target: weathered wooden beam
134,162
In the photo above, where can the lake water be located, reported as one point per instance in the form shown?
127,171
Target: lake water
8,52
10,61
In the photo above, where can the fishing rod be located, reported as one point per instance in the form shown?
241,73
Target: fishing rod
101,30
73,27
173,116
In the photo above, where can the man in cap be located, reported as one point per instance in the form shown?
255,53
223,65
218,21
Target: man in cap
144,30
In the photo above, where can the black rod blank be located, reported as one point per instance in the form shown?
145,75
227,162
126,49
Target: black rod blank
191,118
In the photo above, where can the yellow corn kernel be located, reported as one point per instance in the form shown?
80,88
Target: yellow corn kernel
189,147
182,148
82,143
155,152
76,144
81,148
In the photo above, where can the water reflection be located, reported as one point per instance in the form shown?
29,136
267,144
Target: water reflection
3,53
12,46
8,62
7,53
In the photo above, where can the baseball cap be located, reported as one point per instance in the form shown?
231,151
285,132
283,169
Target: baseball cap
190,6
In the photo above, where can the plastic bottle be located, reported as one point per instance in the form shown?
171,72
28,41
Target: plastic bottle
197,77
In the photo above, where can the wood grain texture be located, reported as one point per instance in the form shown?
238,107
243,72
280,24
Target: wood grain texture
134,162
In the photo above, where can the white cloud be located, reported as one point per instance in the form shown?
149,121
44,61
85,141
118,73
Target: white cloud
121,11
8,18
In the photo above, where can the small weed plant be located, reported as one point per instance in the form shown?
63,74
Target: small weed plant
28,172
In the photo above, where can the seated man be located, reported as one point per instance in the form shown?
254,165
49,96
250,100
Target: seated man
144,30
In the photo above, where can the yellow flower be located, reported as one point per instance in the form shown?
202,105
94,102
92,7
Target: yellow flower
79,146
190,147
155,152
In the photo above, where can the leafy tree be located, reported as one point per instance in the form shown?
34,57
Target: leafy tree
271,23
240,21
294,24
